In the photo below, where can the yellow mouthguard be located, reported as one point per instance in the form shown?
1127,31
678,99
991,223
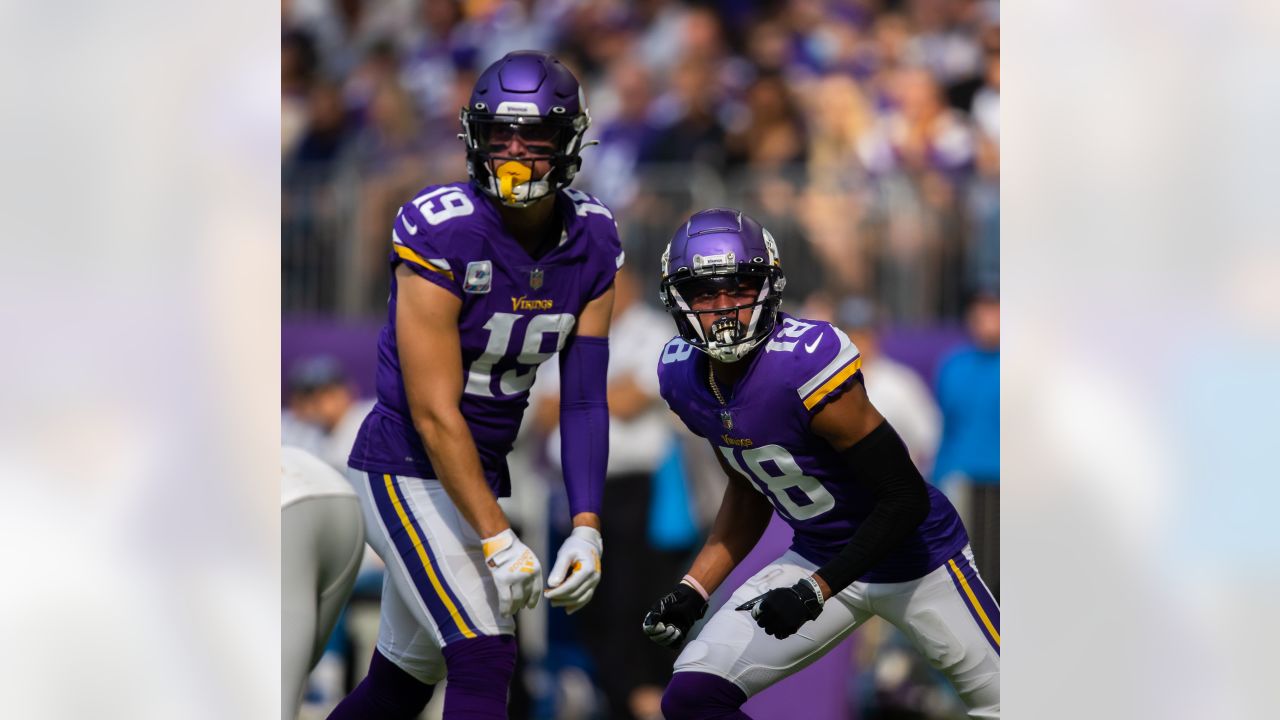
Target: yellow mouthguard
510,174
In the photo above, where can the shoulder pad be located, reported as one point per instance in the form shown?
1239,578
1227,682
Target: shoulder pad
428,230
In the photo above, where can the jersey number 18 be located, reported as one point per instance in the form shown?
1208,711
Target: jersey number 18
785,486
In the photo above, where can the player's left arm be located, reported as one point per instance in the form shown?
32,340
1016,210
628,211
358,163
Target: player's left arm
877,457
584,447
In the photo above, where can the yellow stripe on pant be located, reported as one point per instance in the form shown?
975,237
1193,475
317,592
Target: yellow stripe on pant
973,600
426,562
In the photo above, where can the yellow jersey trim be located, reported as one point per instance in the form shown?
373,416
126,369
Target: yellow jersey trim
825,389
406,253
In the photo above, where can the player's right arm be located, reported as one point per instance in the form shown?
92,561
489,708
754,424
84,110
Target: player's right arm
431,365
743,516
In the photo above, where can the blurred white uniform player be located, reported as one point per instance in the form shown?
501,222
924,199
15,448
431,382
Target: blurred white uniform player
321,544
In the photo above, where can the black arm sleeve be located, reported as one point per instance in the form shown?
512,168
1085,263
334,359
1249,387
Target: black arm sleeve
880,461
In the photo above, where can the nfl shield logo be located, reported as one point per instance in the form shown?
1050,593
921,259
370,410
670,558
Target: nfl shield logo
726,419
535,278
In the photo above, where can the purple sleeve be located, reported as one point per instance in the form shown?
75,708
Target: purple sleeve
426,249
584,421
829,367
608,260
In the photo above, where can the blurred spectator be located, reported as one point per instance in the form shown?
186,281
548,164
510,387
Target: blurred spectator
661,43
895,389
834,206
312,212
984,198
771,134
391,158
968,462
380,65
345,29
298,62
440,46
631,670
986,105
826,37
922,134
944,40
689,127
500,27
326,137
622,135
923,155
322,415
841,122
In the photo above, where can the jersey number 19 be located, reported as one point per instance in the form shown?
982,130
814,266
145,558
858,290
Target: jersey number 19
520,378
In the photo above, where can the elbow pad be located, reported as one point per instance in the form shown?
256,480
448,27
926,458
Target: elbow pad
881,462
584,421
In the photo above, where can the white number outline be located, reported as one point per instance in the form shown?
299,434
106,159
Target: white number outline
584,205
453,203
791,328
776,486
676,351
516,380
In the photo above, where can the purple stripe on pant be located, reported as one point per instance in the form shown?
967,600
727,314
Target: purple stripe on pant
980,593
409,554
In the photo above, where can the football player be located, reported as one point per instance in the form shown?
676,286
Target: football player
490,278
321,544
782,403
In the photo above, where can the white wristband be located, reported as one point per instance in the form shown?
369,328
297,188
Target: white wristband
817,589
697,586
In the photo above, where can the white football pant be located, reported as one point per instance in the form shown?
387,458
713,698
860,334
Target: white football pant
948,614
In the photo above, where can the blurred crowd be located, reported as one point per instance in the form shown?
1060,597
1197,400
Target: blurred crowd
863,133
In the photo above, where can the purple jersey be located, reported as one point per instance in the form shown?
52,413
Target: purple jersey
516,313
763,433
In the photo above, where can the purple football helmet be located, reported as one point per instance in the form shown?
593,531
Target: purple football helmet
716,250
528,94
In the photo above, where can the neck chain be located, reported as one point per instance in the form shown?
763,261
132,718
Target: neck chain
715,389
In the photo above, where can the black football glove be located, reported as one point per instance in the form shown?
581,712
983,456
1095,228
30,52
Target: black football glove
782,611
668,621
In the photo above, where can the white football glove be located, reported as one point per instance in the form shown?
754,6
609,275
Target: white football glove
516,571
576,574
